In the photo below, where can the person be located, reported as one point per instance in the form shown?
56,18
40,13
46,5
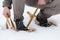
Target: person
18,6
49,9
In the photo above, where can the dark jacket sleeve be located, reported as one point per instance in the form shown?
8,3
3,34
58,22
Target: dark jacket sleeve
7,3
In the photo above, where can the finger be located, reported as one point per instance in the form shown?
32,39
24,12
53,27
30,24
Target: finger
8,15
4,14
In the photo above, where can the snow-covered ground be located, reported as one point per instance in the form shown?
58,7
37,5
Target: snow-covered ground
41,33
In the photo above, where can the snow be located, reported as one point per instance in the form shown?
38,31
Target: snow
41,33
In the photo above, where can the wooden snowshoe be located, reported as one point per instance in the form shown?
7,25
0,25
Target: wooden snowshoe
49,23
32,16
9,22
29,30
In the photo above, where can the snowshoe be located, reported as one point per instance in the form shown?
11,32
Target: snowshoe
21,27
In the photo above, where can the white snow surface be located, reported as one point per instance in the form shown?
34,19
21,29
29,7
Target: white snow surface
41,33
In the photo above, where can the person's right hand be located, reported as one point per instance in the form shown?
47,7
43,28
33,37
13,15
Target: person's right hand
41,2
6,12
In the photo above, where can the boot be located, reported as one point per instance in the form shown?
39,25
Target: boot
20,25
41,19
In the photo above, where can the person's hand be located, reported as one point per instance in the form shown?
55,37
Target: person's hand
41,2
6,12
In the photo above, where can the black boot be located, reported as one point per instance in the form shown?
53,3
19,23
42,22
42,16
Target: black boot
42,20
20,25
